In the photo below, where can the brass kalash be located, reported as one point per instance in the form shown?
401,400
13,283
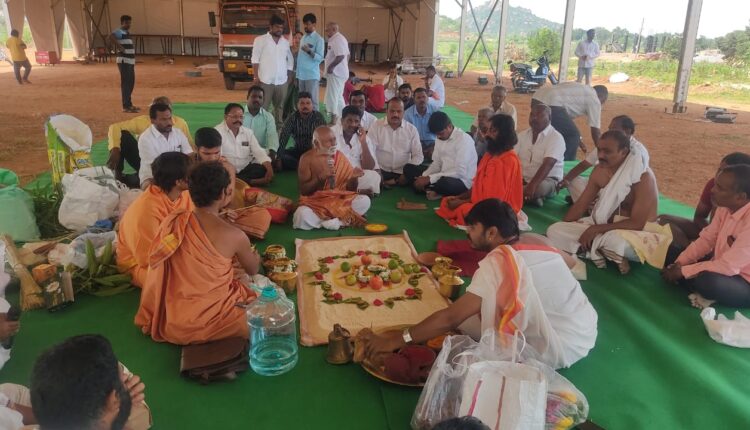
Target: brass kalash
340,349
447,275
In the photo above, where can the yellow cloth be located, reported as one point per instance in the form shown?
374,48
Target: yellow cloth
650,244
138,125
138,227
190,294
17,49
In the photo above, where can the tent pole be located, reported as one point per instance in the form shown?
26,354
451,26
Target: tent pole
182,27
461,38
570,10
504,12
692,18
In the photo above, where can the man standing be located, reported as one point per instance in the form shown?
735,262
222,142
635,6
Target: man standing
353,142
396,144
498,105
125,62
309,57
587,51
261,122
327,185
122,141
419,115
568,101
454,163
337,70
621,227
435,87
541,150
273,65
300,126
716,267
241,149
18,54
158,139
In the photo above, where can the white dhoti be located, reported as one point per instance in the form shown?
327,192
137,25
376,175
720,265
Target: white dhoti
610,245
334,99
369,181
576,187
306,219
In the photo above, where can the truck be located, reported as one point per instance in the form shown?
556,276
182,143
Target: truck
239,22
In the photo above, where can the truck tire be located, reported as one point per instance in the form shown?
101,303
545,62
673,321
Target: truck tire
228,82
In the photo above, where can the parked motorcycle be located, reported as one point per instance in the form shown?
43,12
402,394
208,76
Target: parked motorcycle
526,80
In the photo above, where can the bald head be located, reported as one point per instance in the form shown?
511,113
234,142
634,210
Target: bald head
323,139
331,29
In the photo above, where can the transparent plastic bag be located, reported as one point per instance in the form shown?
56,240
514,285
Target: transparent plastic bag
76,251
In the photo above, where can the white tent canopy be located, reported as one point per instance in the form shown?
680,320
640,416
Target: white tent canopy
400,28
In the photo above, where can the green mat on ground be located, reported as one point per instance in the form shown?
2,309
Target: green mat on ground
653,366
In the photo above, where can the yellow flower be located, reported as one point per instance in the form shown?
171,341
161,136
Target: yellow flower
564,424
569,396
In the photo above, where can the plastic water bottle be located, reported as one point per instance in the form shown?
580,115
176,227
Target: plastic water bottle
273,334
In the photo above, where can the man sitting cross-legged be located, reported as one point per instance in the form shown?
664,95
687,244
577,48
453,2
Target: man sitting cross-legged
327,184
396,144
299,126
161,137
352,141
483,124
190,295
498,176
686,231
530,291
621,226
140,223
419,115
716,267
541,150
576,184
240,147
454,161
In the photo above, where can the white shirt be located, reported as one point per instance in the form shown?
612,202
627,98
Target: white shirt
390,90
577,99
454,158
274,59
243,149
438,87
396,148
636,146
549,144
590,50
505,108
354,152
337,45
151,144
366,122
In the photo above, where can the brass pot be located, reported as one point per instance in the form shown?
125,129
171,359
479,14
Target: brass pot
450,282
285,280
274,252
283,265
340,350
441,266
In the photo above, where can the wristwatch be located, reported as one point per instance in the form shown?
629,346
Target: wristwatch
406,336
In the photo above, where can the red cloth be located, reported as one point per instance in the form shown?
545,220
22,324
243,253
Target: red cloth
375,98
706,194
468,258
348,89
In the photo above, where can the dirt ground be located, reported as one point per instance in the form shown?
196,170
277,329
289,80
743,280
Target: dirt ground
685,149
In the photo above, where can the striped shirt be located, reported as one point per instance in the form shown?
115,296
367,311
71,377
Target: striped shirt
301,129
127,56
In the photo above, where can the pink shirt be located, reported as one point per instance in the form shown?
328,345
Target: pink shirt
728,236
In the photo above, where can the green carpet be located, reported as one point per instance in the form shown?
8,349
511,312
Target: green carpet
653,366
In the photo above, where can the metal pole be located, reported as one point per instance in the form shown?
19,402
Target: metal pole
462,37
570,10
689,35
504,12
640,34
182,26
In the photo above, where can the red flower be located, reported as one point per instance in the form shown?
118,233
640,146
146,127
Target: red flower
337,296
385,254
360,253
410,292
329,260
377,302
319,276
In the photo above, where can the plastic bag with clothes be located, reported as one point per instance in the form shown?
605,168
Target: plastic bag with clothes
89,195
446,390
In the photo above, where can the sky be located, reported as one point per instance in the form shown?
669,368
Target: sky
718,17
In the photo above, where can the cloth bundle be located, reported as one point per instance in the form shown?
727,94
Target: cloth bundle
254,221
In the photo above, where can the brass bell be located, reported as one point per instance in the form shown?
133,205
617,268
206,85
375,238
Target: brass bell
340,350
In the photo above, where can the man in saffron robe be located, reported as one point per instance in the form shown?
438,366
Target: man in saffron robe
140,223
190,295
531,291
498,176
327,186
